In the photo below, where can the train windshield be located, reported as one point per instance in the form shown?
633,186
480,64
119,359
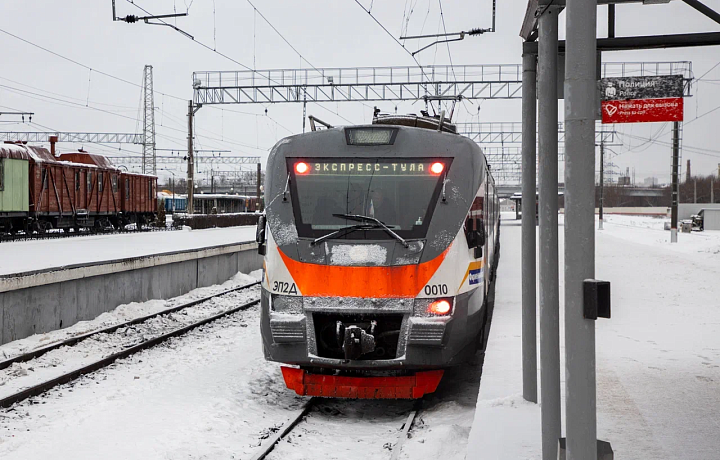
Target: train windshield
401,193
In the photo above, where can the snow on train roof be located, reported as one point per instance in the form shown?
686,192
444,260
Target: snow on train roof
26,152
43,155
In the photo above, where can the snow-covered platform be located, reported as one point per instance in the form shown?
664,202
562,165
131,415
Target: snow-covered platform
27,256
658,358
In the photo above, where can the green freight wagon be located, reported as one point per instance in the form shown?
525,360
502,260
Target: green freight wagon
14,192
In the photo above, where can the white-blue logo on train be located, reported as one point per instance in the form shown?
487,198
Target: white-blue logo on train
475,276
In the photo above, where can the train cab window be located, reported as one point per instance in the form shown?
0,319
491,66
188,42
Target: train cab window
43,179
77,180
100,182
114,182
401,193
2,174
127,188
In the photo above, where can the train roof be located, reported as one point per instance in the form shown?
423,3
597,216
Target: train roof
86,158
83,159
26,152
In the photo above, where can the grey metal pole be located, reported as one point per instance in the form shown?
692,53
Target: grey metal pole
529,281
694,189
580,112
258,206
190,161
712,190
602,177
548,218
675,168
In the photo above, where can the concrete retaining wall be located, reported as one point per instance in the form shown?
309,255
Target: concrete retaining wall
46,300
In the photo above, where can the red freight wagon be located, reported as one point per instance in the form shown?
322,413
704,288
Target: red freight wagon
96,191
139,197
74,190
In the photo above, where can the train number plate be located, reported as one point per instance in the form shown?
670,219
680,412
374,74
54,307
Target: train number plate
284,288
436,289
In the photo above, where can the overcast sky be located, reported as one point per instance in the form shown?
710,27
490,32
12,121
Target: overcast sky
328,33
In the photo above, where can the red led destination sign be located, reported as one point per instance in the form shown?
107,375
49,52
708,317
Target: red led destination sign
642,99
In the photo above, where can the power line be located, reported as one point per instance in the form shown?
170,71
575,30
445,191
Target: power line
81,64
394,39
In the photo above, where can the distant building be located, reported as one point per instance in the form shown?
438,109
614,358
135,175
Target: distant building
650,182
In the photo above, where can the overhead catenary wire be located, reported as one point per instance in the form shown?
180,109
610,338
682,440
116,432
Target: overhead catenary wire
83,65
422,69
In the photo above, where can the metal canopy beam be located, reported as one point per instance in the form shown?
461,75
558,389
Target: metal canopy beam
643,42
92,138
528,30
704,9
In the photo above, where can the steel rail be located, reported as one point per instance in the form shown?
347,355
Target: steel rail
104,362
294,420
302,412
397,448
73,340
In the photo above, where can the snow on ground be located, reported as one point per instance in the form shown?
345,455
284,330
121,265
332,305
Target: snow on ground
209,394
20,376
120,314
25,256
658,358
649,231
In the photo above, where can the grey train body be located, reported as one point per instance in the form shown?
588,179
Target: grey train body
317,289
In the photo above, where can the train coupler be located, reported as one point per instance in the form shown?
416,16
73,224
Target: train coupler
355,341
338,386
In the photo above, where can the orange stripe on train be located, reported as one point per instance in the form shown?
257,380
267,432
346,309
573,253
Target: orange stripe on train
375,282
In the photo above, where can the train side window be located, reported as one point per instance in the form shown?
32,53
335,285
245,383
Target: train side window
77,180
44,178
127,188
114,182
100,182
2,174
89,181
150,189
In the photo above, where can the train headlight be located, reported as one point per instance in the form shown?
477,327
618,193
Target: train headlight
286,304
440,307
437,168
434,307
301,167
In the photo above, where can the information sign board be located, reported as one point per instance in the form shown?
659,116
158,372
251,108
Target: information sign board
642,99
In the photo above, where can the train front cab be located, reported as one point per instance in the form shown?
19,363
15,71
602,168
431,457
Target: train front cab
367,304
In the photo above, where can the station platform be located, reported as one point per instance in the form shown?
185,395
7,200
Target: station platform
34,255
658,358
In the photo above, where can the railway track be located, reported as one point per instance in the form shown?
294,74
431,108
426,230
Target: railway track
7,237
304,412
127,349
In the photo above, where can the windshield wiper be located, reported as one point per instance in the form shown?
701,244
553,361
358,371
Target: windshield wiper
343,231
361,218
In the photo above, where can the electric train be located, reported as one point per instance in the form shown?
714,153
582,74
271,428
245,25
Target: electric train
379,244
